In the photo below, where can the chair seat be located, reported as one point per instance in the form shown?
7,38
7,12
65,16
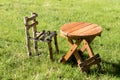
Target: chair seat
44,36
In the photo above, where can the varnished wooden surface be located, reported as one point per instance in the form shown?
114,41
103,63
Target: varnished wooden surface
77,32
80,29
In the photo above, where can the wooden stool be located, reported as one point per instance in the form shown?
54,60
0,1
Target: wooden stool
75,33
43,36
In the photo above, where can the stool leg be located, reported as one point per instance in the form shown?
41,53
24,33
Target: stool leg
77,56
56,44
91,55
89,49
71,51
70,41
50,50
89,40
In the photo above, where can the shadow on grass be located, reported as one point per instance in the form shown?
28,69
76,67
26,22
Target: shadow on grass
71,61
107,68
110,68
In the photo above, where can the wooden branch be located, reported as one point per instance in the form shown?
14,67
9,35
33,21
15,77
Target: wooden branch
30,22
34,36
51,35
33,16
28,42
50,51
31,25
55,42
40,34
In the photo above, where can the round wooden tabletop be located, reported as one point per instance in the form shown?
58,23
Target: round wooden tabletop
80,29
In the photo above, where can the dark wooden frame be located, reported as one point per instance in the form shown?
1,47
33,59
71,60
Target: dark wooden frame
43,36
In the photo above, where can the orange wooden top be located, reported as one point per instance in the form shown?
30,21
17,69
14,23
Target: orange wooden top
80,29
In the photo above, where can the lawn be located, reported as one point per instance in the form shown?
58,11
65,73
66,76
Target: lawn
52,14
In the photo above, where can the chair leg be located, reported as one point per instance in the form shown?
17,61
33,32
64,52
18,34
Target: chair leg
36,47
28,42
50,50
28,46
56,44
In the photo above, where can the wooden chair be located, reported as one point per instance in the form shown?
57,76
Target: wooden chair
43,36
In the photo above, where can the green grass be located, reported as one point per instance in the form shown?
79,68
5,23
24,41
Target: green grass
16,65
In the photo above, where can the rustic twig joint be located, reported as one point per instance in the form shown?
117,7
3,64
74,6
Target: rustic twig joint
43,36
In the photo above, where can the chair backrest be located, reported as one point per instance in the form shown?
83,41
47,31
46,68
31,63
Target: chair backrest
31,22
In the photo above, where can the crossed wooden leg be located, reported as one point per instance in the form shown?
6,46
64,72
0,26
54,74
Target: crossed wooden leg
93,59
73,50
84,65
